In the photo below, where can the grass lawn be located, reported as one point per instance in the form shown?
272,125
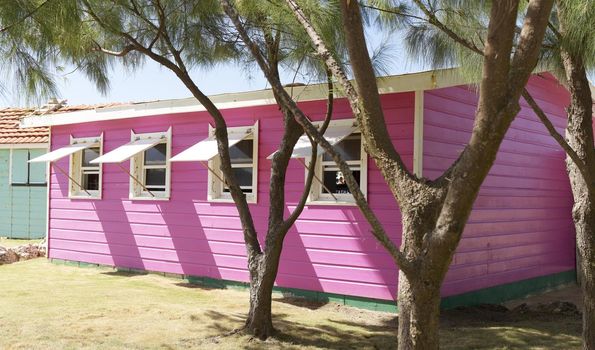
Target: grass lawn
10,243
49,306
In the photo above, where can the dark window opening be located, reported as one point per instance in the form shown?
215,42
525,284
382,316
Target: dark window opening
334,181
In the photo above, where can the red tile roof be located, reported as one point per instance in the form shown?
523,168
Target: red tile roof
11,133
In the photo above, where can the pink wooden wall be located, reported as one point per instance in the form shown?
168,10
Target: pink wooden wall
521,225
329,249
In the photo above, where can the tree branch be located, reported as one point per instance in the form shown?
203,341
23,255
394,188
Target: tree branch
250,236
365,102
312,166
396,13
432,19
556,135
27,16
377,229
121,53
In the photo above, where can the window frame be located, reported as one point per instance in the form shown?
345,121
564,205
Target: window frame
77,170
316,195
216,187
137,168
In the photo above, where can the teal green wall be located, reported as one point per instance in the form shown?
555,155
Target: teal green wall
23,206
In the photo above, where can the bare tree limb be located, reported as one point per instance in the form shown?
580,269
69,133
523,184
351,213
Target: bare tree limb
249,230
556,135
432,19
312,167
127,49
377,228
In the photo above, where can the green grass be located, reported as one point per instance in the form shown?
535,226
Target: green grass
10,243
49,306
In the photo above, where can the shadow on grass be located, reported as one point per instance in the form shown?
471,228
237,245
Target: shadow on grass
194,286
301,302
481,328
459,330
290,334
124,273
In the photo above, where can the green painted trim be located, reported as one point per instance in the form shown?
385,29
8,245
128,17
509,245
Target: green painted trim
510,291
322,297
492,295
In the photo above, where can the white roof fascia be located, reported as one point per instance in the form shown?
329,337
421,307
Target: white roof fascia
59,153
126,151
391,84
333,134
206,149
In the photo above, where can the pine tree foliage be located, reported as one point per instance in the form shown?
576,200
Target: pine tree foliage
430,25
39,40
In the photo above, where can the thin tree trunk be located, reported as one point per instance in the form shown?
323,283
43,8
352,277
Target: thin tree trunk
584,222
579,132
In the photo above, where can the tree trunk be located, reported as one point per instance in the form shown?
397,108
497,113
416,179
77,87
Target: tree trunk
579,132
259,322
419,311
584,222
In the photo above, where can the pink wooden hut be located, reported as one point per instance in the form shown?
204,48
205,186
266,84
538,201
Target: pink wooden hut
131,188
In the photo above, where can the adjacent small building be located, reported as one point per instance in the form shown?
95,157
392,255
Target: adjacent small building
138,186
23,185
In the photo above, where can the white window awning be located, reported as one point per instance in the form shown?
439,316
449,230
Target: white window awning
334,134
126,151
59,153
206,149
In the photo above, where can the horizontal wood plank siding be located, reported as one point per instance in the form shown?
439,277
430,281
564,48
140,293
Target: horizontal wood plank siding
521,225
329,249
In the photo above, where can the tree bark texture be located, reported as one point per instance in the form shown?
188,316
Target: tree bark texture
579,133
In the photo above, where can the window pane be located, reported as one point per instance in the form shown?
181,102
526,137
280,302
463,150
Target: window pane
335,182
89,154
156,155
20,167
154,177
37,171
349,148
244,178
90,181
241,152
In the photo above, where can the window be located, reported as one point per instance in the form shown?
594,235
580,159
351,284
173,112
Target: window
150,169
350,151
331,187
85,177
23,173
90,172
244,161
155,167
